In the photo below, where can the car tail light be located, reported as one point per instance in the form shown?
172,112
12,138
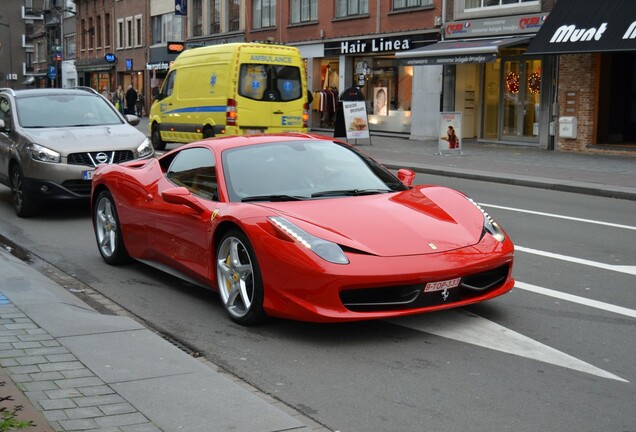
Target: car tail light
230,113
305,115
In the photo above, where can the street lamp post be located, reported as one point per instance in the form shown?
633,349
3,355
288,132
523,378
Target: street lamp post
9,76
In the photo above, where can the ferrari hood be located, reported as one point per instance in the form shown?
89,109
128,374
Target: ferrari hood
87,139
419,221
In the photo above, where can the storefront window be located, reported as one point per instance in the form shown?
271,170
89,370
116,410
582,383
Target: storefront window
388,90
491,100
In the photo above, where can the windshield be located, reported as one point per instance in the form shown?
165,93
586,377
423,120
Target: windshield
303,169
267,82
65,110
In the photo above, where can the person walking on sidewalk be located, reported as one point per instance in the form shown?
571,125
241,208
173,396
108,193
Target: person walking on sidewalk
131,100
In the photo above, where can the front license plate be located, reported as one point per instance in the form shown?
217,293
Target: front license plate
441,285
253,131
88,174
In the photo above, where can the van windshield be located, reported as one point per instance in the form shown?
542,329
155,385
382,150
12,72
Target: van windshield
268,82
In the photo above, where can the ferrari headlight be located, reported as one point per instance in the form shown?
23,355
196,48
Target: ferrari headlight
145,149
490,226
43,154
326,250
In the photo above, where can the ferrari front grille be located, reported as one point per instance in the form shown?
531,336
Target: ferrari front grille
413,296
95,158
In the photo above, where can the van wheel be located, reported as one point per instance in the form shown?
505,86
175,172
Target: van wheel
208,132
155,137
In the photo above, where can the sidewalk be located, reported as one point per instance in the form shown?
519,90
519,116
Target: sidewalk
86,371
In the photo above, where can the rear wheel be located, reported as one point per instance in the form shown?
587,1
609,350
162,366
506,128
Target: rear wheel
155,137
108,230
23,204
239,278
208,132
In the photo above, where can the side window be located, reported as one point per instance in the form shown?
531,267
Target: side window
5,113
195,169
168,87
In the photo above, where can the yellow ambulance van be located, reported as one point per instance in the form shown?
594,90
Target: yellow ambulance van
230,89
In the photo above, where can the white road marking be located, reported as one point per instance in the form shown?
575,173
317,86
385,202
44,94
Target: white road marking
467,327
631,270
576,299
552,215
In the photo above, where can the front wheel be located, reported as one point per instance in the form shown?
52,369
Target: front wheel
108,230
239,278
23,204
155,137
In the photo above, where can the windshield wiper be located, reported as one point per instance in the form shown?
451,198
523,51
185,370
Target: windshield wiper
349,192
273,198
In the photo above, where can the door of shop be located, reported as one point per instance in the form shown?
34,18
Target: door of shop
520,97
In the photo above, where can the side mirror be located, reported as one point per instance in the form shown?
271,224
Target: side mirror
132,119
182,196
406,176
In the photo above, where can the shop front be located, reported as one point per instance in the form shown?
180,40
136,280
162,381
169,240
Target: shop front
96,73
371,66
594,44
504,95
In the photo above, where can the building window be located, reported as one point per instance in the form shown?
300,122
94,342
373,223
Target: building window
351,7
264,13
478,4
234,15
166,28
120,34
215,16
404,4
196,14
98,31
304,10
107,30
139,34
69,47
83,34
129,33
91,33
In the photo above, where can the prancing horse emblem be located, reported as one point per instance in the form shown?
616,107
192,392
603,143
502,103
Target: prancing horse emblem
445,294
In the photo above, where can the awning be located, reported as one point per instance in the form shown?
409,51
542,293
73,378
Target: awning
576,26
459,52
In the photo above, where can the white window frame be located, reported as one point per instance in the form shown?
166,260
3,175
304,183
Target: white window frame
120,33
129,30
139,31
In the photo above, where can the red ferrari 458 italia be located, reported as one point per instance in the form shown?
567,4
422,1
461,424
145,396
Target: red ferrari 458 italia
300,226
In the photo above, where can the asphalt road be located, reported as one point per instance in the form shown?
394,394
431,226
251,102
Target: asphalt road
555,354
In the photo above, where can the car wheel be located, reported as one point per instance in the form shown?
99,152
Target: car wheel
108,230
239,279
208,132
155,137
23,204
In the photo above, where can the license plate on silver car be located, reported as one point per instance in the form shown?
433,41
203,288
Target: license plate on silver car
88,174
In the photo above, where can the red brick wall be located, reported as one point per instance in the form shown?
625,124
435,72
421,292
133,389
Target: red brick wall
577,73
418,19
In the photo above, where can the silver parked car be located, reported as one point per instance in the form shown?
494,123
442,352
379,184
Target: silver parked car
51,140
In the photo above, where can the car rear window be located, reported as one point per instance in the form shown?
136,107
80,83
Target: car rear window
270,82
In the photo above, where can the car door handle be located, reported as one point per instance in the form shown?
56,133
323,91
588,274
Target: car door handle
278,112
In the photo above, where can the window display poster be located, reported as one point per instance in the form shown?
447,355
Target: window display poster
450,127
380,98
355,117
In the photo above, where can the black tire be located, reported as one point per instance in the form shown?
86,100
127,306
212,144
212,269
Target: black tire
208,132
110,241
155,137
24,205
244,306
